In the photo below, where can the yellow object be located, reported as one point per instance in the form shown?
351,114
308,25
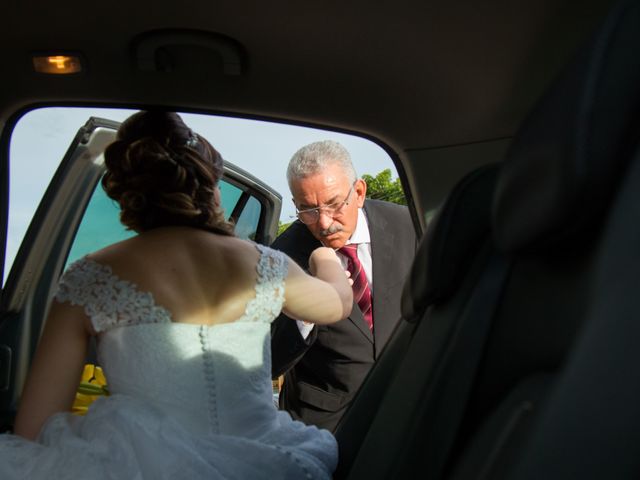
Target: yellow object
93,384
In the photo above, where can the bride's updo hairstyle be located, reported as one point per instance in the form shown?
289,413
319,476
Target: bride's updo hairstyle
162,174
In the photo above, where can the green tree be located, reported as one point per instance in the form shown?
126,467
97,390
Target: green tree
283,226
381,187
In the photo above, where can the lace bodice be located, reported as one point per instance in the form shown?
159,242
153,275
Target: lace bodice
187,401
111,302
211,378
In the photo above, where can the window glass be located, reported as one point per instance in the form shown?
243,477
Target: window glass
101,226
42,136
230,194
247,223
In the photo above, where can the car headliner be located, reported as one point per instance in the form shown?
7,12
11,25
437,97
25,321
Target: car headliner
417,76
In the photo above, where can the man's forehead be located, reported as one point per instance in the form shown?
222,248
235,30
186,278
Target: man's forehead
327,183
313,198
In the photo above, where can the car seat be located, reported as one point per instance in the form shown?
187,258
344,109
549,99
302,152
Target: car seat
524,368
441,296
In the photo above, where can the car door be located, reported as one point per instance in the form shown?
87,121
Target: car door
76,217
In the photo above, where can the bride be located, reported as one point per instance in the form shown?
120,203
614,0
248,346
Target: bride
181,313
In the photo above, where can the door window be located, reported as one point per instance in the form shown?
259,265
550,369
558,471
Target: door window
101,226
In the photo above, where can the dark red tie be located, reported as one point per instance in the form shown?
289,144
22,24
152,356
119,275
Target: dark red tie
361,290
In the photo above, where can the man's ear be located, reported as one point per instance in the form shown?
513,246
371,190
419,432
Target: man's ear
360,187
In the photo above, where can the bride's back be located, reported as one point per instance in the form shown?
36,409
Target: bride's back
198,276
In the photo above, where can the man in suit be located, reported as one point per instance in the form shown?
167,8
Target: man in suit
324,366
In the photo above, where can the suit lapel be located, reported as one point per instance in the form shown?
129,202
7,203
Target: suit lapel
382,248
358,320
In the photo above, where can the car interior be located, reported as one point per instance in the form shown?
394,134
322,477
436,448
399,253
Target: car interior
514,130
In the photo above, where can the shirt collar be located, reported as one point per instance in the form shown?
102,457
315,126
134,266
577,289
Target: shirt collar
361,233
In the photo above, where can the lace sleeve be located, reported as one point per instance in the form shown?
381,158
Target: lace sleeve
107,300
272,270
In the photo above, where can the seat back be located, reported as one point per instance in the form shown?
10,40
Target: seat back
439,287
555,209
554,202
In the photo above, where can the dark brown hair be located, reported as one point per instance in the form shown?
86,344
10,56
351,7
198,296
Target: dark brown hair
163,174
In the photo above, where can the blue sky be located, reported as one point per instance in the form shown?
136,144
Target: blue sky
41,138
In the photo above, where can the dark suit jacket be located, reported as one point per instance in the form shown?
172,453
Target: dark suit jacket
324,372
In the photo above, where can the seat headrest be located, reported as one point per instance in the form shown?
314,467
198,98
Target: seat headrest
566,160
452,239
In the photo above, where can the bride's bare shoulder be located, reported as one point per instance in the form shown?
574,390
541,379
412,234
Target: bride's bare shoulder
179,246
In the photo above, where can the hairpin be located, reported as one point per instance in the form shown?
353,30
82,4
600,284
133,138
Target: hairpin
192,141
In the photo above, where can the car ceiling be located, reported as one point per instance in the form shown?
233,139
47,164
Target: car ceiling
415,75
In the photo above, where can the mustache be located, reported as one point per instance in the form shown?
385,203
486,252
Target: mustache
333,228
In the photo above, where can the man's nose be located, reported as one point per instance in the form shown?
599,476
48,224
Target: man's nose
325,219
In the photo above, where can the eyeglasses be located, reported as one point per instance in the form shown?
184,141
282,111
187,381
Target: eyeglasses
312,215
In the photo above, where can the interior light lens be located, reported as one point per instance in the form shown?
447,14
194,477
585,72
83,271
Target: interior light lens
57,64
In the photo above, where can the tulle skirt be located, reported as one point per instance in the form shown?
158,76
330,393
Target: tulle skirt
121,438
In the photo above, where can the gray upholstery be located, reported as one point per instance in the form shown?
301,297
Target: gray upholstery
555,394
450,243
567,159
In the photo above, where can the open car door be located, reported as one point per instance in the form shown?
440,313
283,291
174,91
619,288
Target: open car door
74,218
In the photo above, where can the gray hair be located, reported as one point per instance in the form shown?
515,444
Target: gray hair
316,157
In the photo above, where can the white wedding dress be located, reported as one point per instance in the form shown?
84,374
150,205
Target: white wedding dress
187,401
